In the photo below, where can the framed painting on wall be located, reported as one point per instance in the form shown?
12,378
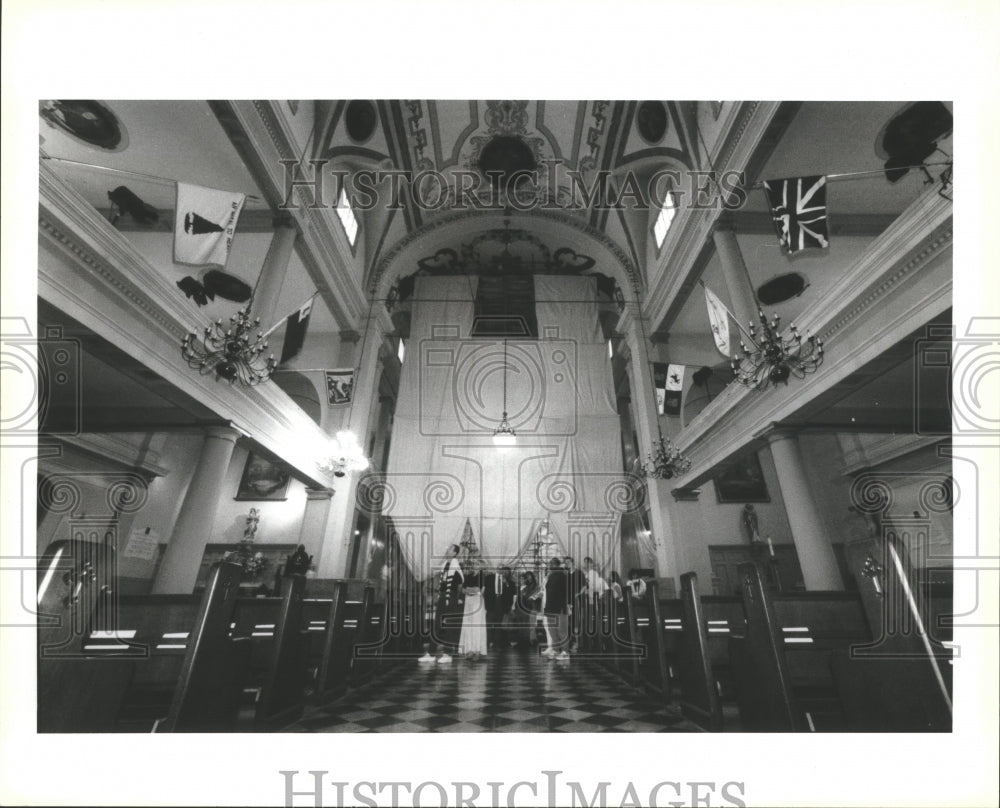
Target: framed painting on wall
742,481
262,480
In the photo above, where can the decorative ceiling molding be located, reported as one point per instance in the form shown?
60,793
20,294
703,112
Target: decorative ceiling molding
625,264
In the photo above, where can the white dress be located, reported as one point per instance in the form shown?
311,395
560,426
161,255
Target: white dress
473,638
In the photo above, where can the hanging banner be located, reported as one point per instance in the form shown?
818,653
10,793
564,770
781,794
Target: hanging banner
205,225
718,316
660,383
673,390
339,386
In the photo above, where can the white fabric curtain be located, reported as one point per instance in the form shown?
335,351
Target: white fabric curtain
566,465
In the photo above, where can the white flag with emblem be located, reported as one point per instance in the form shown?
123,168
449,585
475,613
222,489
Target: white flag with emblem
205,224
718,316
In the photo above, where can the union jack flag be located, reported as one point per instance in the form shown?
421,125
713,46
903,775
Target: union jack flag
798,208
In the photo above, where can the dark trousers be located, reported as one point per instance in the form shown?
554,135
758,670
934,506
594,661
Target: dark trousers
447,625
496,633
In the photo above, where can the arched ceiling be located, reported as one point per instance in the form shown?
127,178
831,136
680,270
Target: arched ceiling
573,147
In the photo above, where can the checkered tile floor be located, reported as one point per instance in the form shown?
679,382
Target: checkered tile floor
509,692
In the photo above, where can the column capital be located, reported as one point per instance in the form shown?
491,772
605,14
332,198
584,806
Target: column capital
686,494
349,335
776,432
226,433
319,493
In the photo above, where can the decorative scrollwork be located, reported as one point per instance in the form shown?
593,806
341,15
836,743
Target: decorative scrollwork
871,494
59,494
127,493
444,494
376,494
938,496
558,496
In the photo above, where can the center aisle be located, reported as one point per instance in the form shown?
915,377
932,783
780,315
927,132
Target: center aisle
511,691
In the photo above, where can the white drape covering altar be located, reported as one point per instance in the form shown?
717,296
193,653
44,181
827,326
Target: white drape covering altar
567,464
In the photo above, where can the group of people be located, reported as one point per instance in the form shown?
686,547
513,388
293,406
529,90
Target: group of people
479,609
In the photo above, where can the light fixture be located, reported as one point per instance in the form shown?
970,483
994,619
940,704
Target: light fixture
503,436
232,353
771,358
666,461
346,456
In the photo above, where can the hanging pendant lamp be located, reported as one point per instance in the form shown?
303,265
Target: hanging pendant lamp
504,436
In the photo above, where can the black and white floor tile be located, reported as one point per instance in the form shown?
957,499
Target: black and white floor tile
510,691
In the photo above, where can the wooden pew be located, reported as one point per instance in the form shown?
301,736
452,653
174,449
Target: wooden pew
77,691
900,681
277,664
648,667
782,664
703,663
365,654
327,660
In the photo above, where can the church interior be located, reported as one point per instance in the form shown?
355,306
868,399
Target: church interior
703,348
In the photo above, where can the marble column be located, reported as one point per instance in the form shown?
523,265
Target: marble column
734,270
333,558
193,530
272,274
640,375
812,542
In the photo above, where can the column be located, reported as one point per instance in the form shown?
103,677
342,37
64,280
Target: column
314,520
337,535
647,426
819,564
182,558
272,273
734,270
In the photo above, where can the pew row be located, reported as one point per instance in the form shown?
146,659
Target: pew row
836,661
704,670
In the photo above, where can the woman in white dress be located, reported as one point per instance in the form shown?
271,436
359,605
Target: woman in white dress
473,639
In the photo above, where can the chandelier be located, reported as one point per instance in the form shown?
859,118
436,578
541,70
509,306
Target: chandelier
772,359
504,436
347,456
666,461
232,353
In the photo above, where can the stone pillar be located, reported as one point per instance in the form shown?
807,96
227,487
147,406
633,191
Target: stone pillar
192,532
272,274
337,536
314,520
640,376
734,270
819,564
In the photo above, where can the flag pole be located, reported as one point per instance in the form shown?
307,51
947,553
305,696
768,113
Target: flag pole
274,327
733,316
137,174
849,175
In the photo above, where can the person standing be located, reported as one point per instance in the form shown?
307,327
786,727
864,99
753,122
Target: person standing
472,643
499,591
529,602
555,605
575,583
450,604
594,588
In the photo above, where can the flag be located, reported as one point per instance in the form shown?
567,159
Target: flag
798,208
673,390
295,332
660,383
718,316
205,225
339,385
